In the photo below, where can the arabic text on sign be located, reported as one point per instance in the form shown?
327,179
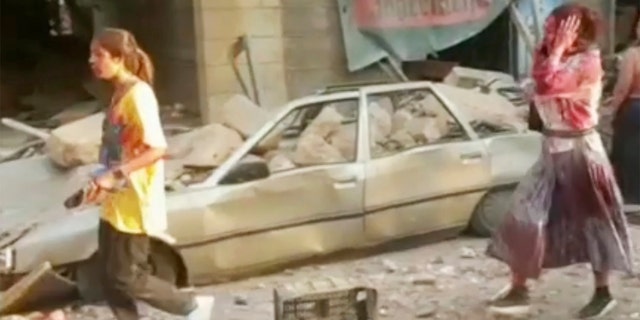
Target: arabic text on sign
385,14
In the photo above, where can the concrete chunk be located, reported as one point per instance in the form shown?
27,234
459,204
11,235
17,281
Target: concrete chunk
209,146
424,129
326,123
345,140
313,149
380,123
76,143
244,116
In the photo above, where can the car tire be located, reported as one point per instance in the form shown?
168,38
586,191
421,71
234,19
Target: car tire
164,263
491,211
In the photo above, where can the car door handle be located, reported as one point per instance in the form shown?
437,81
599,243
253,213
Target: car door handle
345,184
471,157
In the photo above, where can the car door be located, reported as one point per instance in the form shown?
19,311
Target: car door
313,208
426,185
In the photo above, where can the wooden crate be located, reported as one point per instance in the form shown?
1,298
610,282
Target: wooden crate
328,299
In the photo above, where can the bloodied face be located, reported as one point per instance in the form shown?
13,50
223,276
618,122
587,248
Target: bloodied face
103,64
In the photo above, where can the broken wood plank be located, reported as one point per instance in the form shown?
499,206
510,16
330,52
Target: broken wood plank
40,285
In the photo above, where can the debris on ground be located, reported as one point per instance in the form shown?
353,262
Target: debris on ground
41,284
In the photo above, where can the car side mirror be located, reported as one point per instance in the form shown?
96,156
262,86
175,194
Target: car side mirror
249,169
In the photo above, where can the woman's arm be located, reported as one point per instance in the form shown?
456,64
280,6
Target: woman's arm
625,79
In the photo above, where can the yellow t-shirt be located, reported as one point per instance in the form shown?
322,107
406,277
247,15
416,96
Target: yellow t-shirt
132,125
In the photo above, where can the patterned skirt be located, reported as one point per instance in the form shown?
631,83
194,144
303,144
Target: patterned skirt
567,210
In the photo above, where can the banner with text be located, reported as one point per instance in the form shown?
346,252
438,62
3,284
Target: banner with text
409,30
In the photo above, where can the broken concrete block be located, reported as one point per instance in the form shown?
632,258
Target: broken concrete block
491,108
270,142
345,140
280,162
211,145
403,138
400,119
76,143
313,149
424,129
326,123
380,123
244,116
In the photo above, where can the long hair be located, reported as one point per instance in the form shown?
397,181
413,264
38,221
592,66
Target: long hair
122,44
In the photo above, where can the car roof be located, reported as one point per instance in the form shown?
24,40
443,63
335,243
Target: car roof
350,91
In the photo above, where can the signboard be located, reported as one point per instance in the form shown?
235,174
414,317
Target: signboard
402,14
409,30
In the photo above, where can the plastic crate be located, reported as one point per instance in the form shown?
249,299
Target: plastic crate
325,300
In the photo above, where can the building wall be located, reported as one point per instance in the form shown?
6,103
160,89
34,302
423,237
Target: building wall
296,47
221,23
165,29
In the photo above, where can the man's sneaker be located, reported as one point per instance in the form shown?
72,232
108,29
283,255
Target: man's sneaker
511,301
204,308
599,306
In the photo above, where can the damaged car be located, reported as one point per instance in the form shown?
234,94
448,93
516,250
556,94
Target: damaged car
346,168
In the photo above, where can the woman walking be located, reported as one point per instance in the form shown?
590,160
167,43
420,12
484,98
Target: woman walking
568,209
625,153
133,208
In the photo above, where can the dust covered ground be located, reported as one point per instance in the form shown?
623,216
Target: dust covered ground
448,280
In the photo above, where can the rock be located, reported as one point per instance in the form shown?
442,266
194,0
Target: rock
425,280
313,149
403,138
424,129
635,315
76,143
244,116
437,260
400,119
325,124
383,311
389,266
210,146
280,162
345,140
380,123
448,270
427,311
468,253
240,300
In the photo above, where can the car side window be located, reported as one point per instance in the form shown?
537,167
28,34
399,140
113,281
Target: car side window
310,135
402,120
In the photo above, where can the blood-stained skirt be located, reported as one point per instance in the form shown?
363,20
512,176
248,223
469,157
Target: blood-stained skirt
567,210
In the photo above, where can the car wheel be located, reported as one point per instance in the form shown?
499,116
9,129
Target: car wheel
164,264
490,212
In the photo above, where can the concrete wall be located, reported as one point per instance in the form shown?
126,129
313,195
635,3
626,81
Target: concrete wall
165,28
220,23
296,47
314,49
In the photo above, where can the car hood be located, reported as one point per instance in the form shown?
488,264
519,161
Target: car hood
33,192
